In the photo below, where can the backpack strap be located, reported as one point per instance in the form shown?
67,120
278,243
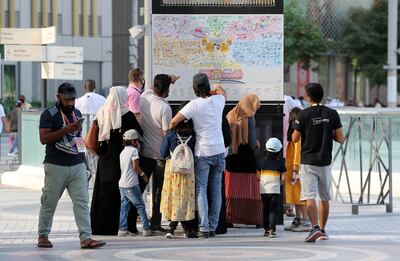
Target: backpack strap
187,140
181,140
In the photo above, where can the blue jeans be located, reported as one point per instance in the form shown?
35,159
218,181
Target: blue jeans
14,145
132,195
208,173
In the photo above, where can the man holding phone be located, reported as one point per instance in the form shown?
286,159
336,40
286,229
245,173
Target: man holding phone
64,165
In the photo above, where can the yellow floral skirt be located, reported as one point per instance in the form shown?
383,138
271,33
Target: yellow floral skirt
178,196
292,192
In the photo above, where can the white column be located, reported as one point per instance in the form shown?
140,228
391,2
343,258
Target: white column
148,44
392,54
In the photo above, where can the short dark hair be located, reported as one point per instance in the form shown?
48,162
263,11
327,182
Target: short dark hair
184,128
272,155
135,74
161,83
127,143
21,98
68,90
293,115
201,85
91,83
315,91
202,90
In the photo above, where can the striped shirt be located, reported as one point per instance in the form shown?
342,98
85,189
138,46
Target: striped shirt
270,172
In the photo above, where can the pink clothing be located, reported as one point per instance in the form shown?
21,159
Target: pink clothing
287,108
134,94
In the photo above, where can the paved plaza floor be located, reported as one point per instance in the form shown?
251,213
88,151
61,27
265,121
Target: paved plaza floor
371,235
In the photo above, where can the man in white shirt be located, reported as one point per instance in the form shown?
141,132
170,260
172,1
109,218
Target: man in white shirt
4,120
206,113
91,102
155,117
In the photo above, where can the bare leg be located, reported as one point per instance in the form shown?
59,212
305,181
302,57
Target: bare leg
323,213
312,211
303,210
298,211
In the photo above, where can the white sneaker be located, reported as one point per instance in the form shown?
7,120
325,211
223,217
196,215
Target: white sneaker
122,233
147,233
295,223
169,235
304,226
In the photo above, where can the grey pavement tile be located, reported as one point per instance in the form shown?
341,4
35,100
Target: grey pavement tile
372,235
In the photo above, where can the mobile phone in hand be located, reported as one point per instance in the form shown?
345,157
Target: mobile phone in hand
80,120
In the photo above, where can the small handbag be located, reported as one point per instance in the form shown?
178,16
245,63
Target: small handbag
92,138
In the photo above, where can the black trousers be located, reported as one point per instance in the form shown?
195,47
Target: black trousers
155,168
186,225
271,203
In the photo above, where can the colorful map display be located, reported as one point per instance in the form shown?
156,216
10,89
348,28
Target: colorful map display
243,53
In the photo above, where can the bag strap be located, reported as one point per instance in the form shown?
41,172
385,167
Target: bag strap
181,140
187,140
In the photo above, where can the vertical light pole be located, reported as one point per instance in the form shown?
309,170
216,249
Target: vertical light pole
147,44
392,54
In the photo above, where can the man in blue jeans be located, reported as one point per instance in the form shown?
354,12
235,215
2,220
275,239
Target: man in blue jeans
206,113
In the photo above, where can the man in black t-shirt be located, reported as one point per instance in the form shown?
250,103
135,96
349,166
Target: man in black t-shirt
317,126
64,166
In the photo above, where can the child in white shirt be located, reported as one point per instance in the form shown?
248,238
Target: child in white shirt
129,183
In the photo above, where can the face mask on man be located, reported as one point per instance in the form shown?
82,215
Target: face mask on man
143,82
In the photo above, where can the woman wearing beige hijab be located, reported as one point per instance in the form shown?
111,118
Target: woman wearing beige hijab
113,119
243,202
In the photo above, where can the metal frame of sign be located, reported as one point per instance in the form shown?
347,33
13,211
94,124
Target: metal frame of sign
159,8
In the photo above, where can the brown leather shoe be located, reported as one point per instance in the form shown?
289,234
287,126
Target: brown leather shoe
43,241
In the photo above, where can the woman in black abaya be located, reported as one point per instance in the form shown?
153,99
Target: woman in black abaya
113,119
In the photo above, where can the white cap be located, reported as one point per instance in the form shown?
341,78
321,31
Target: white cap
132,135
273,145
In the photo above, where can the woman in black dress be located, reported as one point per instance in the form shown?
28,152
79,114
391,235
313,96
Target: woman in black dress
113,119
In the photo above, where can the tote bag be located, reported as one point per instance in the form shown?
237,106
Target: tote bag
92,139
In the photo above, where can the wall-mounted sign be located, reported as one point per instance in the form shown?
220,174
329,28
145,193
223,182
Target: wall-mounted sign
49,35
65,54
28,35
62,71
31,53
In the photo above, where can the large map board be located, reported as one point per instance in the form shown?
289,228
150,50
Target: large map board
243,53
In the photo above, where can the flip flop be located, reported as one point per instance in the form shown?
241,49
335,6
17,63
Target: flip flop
91,244
44,242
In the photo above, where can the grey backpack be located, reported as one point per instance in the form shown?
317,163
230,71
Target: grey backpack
182,160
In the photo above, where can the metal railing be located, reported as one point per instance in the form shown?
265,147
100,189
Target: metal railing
362,165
